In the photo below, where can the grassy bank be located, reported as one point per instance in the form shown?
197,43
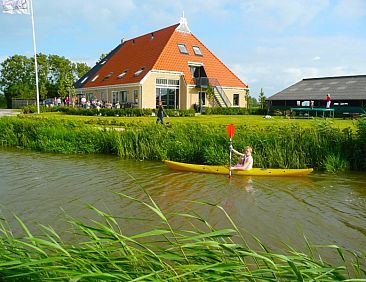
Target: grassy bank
321,143
105,253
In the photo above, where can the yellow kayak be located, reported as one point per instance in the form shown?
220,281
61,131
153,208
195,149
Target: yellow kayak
225,170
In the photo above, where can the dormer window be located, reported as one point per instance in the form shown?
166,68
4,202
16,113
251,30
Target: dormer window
182,49
122,74
139,71
197,51
95,78
108,75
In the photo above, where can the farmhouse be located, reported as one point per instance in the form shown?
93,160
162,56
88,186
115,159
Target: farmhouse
348,94
169,65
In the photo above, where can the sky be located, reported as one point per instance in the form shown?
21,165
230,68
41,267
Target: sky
268,44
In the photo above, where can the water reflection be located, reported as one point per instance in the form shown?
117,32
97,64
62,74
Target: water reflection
42,188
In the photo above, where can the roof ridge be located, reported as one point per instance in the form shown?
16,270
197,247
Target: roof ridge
151,32
335,77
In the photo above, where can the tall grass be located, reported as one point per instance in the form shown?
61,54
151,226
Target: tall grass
105,253
291,146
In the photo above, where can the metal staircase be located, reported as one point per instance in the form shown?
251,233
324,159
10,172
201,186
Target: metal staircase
219,94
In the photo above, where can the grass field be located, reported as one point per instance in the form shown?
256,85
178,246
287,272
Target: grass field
219,120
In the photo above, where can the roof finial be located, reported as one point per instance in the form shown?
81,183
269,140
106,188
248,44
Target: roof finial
183,25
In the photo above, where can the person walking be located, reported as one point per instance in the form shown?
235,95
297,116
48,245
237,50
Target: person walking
161,114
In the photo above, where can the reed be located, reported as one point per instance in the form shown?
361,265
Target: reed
104,252
286,146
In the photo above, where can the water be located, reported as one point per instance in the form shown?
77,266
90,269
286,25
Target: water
46,188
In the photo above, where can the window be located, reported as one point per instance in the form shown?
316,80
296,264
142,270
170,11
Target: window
95,78
89,97
84,80
123,96
182,49
164,82
108,75
136,96
122,74
167,91
137,73
197,51
236,100
119,96
202,98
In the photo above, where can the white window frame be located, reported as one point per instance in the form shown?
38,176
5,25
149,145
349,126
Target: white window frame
138,72
95,78
197,51
182,48
121,75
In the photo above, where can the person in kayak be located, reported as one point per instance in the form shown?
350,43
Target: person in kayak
246,159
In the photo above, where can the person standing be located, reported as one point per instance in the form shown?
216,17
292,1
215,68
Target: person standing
328,99
161,114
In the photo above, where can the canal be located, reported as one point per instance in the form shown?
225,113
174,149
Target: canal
46,189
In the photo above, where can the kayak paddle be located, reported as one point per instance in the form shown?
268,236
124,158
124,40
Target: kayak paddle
230,129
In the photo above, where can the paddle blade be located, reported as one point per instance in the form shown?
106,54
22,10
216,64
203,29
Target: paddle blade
230,130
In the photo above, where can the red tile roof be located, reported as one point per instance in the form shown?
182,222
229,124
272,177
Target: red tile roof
158,50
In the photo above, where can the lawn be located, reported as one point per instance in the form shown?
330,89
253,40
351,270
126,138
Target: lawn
216,120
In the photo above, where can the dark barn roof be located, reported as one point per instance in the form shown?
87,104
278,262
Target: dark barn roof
340,88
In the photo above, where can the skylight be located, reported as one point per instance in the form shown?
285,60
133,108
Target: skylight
197,51
108,75
122,74
139,71
95,78
182,48
84,80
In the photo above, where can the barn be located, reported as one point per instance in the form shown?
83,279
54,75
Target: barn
348,95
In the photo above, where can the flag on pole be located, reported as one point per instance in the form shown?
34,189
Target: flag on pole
16,7
24,7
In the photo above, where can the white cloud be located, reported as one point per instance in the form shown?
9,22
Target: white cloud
316,58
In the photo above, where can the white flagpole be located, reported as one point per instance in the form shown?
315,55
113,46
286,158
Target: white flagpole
35,55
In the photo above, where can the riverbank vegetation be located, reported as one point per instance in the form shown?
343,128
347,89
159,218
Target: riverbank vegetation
203,140
103,251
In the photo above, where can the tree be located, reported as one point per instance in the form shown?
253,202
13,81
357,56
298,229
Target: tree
247,98
15,79
262,99
253,102
101,57
56,76
81,69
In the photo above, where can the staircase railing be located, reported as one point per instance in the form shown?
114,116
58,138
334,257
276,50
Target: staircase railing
221,97
219,92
